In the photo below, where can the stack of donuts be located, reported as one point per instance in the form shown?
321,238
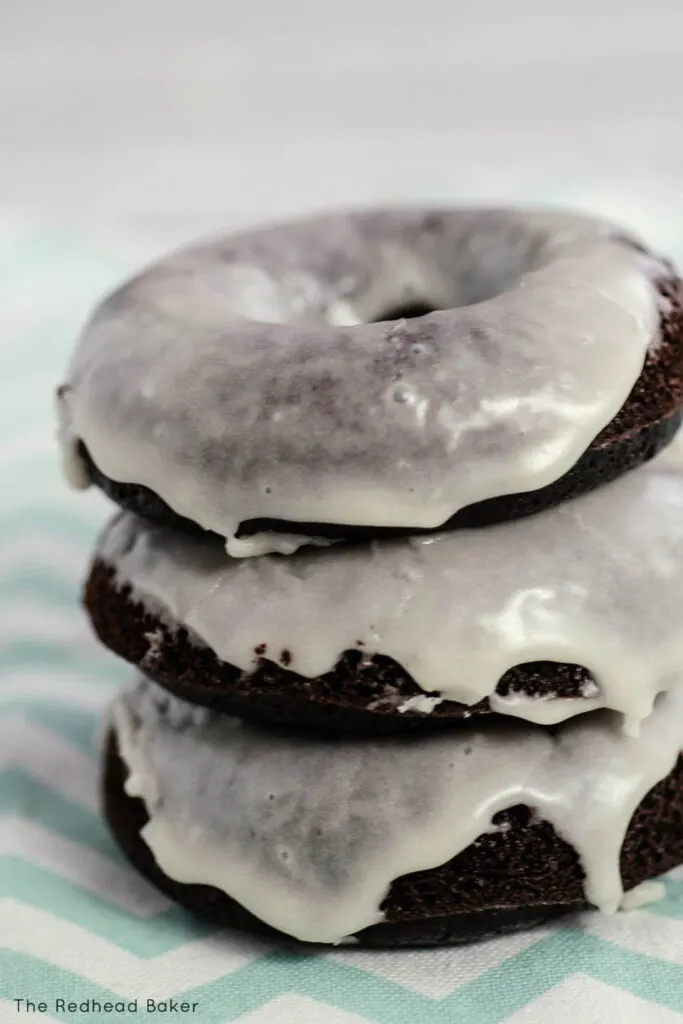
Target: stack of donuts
399,563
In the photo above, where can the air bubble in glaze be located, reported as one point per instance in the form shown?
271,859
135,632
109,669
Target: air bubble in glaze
403,394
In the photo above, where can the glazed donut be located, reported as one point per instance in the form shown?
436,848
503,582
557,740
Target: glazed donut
279,385
542,619
430,840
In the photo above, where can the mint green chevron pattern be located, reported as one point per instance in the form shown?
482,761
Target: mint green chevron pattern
75,922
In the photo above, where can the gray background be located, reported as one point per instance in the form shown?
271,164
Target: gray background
179,116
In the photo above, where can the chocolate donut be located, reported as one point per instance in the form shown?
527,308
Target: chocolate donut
541,619
272,387
429,840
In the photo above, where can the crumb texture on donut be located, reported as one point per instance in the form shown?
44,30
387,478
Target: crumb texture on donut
308,835
248,379
590,583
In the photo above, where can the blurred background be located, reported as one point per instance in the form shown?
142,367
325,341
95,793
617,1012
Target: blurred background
180,116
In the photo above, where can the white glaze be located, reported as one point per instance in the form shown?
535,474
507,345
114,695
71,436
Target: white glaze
597,582
221,379
421,702
643,895
308,834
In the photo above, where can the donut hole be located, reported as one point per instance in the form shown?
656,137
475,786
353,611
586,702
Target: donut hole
406,311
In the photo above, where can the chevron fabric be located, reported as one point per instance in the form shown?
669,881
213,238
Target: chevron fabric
76,924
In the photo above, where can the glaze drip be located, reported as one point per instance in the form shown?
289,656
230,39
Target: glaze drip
308,834
595,582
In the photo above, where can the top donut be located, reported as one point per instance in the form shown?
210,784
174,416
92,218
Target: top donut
378,372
